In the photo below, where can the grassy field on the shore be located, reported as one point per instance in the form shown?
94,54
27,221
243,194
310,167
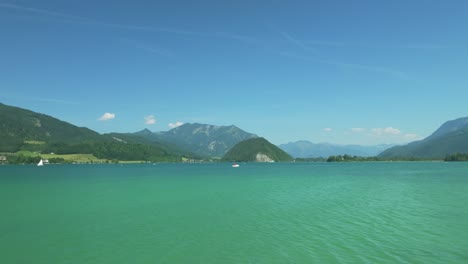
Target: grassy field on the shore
81,158
75,158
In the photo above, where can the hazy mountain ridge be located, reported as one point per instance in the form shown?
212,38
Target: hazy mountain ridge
450,138
448,127
307,149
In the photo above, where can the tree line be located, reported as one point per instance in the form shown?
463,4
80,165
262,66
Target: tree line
350,158
114,151
457,157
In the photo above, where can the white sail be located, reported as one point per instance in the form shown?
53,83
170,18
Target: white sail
40,163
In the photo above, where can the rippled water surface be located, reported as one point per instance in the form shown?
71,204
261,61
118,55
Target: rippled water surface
405,212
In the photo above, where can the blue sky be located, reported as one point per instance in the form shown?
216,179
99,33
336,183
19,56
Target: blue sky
346,72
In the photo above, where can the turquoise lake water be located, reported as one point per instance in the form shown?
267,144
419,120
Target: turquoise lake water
400,212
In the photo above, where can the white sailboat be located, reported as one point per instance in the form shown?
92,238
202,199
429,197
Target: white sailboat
41,163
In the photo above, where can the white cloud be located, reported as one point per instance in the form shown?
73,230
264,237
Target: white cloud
150,120
358,129
386,131
176,124
412,136
106,116
327,129
385,135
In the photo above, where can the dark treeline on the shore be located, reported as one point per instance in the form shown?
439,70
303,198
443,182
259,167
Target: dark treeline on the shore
350,158
457,157
115,151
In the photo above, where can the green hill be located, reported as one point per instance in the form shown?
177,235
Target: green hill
450,138
256,149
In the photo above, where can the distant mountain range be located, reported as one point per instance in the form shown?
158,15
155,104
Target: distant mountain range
450,138
307,149
22,129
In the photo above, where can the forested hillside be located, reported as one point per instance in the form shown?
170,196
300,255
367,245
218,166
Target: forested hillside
25,130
